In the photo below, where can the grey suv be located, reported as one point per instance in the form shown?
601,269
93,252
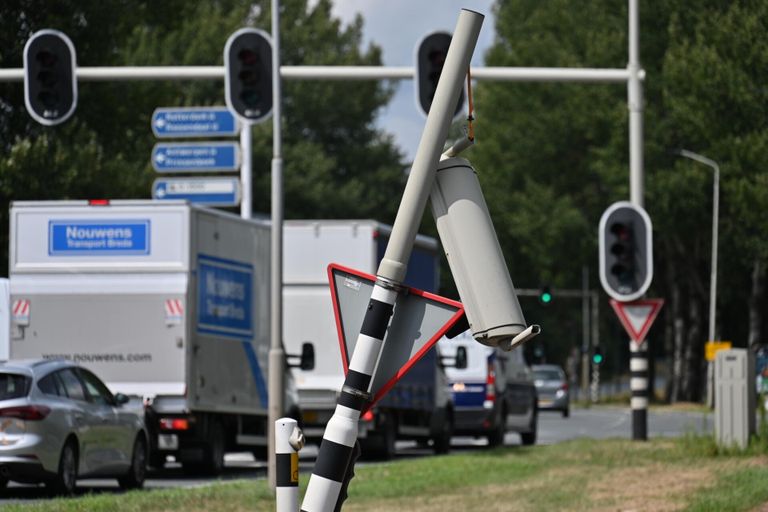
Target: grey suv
59,422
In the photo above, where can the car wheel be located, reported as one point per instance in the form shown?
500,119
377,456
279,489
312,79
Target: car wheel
529,438
138,470
3,483
566,412
65,480
496,437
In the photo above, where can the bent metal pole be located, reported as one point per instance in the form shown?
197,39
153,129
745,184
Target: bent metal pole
325,484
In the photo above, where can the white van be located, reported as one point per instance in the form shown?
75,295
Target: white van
494,394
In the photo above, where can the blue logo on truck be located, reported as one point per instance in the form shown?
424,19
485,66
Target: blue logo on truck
98,237
225,297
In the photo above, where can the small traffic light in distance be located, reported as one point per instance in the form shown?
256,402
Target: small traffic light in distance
597,355
50,77
248,74
430,57
545,295
626,251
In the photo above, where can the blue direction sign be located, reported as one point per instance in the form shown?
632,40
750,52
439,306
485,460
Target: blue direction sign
210,191
195,157
194,122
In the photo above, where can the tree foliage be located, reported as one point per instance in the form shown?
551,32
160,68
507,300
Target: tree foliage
553,156
336,162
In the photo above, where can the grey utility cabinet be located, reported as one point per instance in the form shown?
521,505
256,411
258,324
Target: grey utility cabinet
734,397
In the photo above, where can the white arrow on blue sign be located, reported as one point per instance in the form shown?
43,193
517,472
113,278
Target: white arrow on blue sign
195,157
194,122
209,191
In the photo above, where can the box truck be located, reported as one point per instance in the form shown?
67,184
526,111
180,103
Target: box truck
163,300
419,407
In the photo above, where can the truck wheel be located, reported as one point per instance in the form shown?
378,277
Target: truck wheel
441,442
496,437
138,470
213,463
388,440
65,480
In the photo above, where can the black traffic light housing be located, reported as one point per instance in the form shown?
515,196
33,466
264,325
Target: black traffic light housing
626,251
430,57
248,74
50,77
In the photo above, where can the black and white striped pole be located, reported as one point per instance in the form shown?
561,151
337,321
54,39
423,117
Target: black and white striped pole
638,384
325,491
289,440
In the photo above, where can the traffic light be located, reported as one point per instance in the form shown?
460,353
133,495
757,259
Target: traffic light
50,79
545,295
430,57
248,76
626,251
597,355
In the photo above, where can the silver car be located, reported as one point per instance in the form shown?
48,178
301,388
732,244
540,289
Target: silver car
59,422
552,388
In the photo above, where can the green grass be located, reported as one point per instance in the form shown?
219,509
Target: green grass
689,473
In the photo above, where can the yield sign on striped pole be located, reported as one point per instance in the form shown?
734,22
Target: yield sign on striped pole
637,317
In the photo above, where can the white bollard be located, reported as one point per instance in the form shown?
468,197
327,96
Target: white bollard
288,441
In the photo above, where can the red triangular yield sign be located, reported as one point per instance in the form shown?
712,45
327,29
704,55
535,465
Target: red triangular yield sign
419,319
637,317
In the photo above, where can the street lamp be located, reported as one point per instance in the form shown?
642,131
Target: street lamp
715,212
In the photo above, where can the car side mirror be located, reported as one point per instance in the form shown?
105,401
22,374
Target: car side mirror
461,358
121,399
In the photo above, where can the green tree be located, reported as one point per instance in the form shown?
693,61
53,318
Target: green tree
563,148
337,164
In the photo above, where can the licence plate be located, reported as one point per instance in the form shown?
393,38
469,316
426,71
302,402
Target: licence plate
168,442
545,402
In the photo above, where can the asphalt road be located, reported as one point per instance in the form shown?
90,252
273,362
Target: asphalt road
596,423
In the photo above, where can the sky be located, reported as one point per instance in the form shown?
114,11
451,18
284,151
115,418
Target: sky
397,26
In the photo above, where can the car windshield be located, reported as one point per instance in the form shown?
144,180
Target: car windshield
13,385
546,375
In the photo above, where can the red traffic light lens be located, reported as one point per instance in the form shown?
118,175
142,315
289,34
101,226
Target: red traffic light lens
248,56
46,58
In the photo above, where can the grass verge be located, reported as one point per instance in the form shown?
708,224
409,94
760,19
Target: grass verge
689,473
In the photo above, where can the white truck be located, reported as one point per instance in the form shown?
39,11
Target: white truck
419,407
164,300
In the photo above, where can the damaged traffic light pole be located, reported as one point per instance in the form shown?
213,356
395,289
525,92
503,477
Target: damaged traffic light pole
474,255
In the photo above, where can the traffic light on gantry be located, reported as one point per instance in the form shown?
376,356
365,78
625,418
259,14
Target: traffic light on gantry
430,58
50,80
248,76
626,260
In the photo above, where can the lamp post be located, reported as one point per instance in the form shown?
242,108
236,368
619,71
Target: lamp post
715,213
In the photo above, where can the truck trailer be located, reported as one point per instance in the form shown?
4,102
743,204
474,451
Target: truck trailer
166,301
419,406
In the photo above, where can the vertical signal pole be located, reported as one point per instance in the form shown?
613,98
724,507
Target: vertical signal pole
276,352
325,485
246,172
635,102
638,385
639,359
